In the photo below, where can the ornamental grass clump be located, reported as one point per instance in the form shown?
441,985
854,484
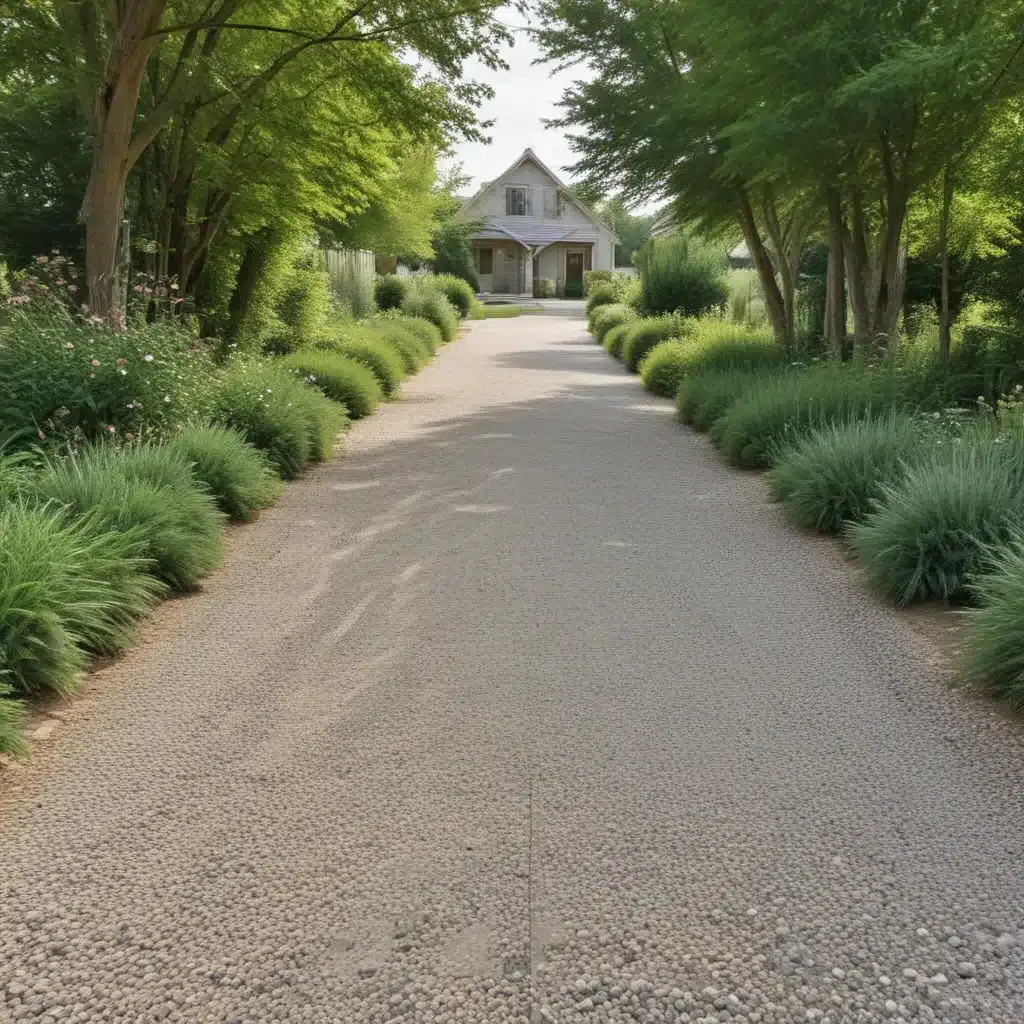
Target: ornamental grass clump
149,493
933,532
647,332
456,290
719,345
390,291
376,355
71,586
409,346
994,644
238,475
433,307
838,472
779,407
664,367
339,377
608,316
703,397
428,333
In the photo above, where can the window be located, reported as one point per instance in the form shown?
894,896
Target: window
486,260
516,202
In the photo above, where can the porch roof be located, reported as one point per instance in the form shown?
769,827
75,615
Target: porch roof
537,234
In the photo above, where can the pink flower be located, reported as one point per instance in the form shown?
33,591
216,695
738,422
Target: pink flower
129,436
94,362
111,429
122,362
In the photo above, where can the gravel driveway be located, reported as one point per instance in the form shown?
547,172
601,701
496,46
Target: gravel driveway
527,709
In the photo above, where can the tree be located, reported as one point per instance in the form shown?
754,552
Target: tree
115,45
632,230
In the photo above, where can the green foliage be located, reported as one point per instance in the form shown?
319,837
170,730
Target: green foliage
272,409
410,347
592,278
12,723
453,252
606,317
390,291
836,473
994,649
355,294
340,377
456,291
69,586
780,407
601,293
73,380
428,333
238,475
148,491
935,529
378,357
646,332
304,302
704,396
665,366
431,306
615,338
680,273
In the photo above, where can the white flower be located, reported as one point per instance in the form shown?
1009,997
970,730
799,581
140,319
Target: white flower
167,398
148,358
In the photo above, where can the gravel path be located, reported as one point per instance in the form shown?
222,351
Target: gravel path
527,709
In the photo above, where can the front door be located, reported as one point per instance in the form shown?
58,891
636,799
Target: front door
574,267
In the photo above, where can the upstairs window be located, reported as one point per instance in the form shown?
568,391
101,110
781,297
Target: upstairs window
516,202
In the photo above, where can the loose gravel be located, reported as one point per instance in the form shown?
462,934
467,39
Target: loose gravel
526,710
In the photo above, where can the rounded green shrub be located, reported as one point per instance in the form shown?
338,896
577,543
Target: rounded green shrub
436,309
702,398
777,408
139,491
339,377
456,290
390,291
429,334
644,334
682,273
377,356
280,343
836,473
69,586
664,367
238,475
603,293
615,338
934,531
608,316
994,648
324,420
412,351
719,345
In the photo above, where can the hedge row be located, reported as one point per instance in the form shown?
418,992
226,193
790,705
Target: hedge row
105,520
929,499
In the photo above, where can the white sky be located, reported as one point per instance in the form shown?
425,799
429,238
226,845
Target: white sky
523,97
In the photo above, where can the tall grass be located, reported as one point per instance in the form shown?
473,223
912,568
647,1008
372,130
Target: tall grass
238,475
411,349
173,517
703,397
69,585
994,649
837,472
682,273
340,377
12,721
779,407
934,530
456,290
382,360
433,307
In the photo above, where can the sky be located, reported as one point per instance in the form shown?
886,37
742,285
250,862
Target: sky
523,97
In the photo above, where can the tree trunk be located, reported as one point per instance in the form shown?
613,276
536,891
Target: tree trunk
945,320
835,318
114,117
773,300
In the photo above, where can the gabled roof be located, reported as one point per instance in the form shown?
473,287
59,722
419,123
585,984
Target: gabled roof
528,154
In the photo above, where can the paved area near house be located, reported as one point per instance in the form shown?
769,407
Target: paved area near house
527,709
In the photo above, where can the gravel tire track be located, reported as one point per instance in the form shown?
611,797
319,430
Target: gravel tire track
527,709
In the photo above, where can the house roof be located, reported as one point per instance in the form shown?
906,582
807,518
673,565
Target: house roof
528,154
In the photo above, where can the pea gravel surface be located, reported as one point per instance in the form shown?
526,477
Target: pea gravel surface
527,709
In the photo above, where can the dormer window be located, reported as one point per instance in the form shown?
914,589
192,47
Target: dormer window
517,201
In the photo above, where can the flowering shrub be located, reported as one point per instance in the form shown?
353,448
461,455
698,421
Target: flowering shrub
66,379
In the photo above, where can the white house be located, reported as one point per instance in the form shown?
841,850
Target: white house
534,230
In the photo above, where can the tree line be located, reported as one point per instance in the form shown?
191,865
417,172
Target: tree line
198,140
889,129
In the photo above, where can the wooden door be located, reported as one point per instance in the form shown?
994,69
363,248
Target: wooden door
573,267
